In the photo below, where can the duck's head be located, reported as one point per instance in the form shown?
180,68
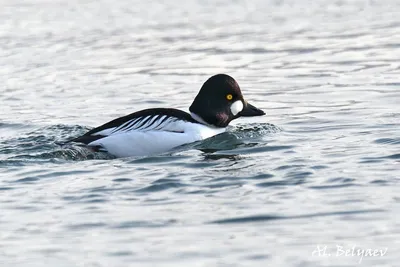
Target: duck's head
220,101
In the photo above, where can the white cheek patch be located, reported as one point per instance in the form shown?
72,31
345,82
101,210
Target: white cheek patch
236,107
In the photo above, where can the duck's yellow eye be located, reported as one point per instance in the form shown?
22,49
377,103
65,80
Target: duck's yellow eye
229,96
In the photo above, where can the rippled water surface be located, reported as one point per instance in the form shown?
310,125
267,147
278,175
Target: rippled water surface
319,174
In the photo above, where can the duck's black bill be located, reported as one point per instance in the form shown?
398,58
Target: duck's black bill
250,111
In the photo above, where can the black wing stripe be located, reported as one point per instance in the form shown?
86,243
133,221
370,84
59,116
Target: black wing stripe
165,118
166,122
136,124
126,126
143,123
152,122
123,126
163,122
130,125
158,122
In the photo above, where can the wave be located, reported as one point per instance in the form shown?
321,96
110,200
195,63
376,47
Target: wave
43,143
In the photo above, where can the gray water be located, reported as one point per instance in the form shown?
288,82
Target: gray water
318,175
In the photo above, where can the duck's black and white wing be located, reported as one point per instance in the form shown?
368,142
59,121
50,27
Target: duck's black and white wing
142,133
158,119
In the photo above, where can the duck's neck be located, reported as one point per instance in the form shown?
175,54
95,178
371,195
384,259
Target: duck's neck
200,120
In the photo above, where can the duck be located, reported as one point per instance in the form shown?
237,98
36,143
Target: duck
158,130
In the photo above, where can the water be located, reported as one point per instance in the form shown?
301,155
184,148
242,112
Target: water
318,175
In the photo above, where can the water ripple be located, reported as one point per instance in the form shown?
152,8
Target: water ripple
261,218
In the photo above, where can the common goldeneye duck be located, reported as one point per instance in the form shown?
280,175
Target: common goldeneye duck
157,130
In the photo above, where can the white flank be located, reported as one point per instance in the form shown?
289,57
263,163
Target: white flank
236,107
154,140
